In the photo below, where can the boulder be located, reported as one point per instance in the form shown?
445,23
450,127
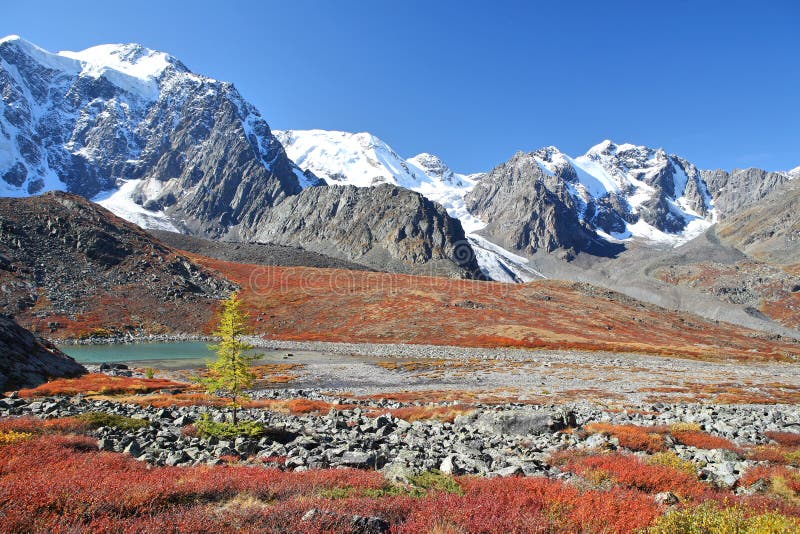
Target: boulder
27,361
518,422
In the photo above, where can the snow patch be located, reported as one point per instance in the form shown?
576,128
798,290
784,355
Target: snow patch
120,203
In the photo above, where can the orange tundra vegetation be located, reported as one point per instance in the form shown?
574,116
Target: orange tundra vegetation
630,472
100,384
301,303
111,492
704,440
633,437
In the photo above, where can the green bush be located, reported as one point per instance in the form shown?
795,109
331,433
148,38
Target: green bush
419,486
207,428
435,480
98,419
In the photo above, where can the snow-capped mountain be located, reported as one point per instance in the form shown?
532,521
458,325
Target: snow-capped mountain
135,130
614,193
139,131
363,160
626,191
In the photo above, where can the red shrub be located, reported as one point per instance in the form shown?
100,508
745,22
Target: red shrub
33,425
304,406
632,437
109,492
91,485
630,472
703,440
790,477
775,454
100,384
787,439
525,505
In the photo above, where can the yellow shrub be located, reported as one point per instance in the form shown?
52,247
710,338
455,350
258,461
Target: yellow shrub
709,518
10,436
684,427
792,458
672,460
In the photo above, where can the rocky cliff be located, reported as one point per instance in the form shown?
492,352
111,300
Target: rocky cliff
27,361
523,213
769,229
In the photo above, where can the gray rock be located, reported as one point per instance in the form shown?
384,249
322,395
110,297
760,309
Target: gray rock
510,471
355,524
361,460
452,465
520,422
666,497
384,227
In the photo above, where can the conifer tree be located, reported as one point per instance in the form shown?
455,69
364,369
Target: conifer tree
230,375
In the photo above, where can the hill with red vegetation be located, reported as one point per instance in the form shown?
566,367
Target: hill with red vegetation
298,303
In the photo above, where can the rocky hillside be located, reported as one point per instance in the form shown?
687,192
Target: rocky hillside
254,253
741,188
387,227
64,260
27,361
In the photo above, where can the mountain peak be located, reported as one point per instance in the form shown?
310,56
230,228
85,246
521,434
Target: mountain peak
605,146
131,59
430,162
9,38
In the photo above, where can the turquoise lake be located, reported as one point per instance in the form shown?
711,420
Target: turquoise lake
179,355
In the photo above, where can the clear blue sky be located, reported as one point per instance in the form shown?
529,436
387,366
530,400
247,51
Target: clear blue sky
716,82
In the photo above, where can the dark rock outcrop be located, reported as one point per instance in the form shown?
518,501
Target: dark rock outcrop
384,227
27,361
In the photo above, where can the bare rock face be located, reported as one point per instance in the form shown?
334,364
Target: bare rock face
769,229
741,188
523,213
384,227
27,361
